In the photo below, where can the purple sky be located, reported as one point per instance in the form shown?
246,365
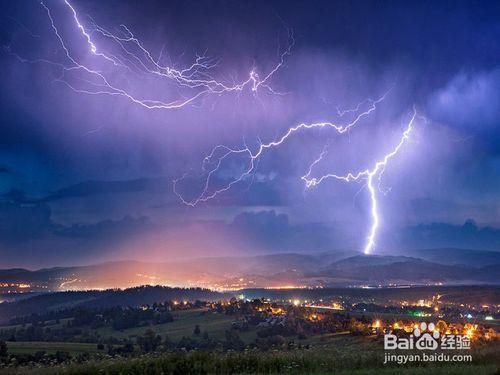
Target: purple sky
87,178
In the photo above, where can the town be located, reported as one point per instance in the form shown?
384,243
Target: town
231,325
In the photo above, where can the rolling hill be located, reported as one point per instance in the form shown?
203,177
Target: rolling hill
447,266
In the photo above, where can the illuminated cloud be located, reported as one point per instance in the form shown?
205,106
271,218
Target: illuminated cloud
90,165
469,100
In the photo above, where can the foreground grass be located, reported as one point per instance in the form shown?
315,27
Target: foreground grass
476,369
313,361
32,347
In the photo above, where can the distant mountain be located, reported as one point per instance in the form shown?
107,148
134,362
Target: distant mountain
285,269
397,269
364,261
452,256
264,264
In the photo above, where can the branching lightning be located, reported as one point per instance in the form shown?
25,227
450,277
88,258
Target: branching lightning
369,174
195,81
219,153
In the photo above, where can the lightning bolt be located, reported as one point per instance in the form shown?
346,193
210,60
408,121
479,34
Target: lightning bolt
213,162
195,80
221,152
369,174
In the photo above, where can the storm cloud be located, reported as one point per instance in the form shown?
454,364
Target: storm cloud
90,177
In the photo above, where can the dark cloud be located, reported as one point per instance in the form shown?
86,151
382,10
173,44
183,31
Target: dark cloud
469,100
6,170
271,231
266,227
25,222
28,234
435,235
79,171
252,191
108,229
21,223
89,188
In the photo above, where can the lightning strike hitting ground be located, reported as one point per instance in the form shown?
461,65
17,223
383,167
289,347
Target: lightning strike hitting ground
221,152
195,81
369,174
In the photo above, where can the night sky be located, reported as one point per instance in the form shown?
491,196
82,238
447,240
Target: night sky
86,178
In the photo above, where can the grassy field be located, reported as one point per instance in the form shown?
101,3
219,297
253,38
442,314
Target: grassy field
185,321
47,324
339,353
183,325
322,342
51,347
342,360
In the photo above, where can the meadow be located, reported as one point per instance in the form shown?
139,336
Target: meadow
349,359
214,324
339,353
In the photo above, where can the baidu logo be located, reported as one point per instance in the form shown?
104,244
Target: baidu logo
424,337
426,340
